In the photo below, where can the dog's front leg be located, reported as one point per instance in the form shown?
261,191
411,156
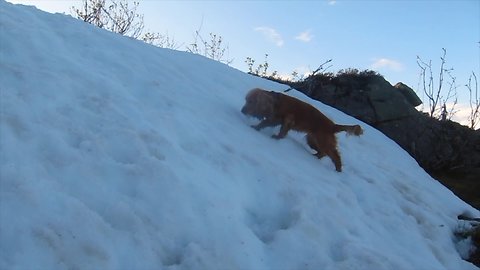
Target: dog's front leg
267,122
287,124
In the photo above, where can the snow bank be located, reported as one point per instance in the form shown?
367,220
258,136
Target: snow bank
120,155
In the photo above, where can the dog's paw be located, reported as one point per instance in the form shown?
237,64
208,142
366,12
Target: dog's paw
255,127
276,137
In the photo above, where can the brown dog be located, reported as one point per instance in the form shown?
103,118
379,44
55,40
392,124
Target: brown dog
275,109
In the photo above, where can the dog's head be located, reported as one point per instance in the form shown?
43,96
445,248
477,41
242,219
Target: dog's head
259,103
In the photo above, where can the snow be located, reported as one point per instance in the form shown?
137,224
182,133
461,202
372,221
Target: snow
119,155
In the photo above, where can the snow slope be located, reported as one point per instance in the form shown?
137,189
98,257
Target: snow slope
120,155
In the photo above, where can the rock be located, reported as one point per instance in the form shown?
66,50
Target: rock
408,93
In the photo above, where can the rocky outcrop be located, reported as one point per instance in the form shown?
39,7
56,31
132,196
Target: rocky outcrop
368,97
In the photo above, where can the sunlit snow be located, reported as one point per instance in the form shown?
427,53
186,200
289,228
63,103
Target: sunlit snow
119,155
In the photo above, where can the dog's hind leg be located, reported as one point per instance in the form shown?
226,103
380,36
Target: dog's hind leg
312,142
335,157
328,143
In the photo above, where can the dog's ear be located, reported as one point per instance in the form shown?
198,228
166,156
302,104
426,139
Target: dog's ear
265,103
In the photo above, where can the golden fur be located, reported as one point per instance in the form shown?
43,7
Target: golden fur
275,108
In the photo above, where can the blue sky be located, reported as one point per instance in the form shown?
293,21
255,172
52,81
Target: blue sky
385,36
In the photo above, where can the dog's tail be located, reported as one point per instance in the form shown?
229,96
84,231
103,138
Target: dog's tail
351,130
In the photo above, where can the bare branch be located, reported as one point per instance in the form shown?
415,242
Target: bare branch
321,67
474,101
213,48
441,99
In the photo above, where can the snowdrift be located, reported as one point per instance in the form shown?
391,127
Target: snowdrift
120,155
